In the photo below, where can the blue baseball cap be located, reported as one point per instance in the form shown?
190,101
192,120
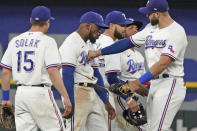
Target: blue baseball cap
93,17
116,17
41,13
131,21
154,6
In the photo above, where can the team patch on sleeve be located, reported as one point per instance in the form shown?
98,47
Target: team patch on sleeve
5,66
170,47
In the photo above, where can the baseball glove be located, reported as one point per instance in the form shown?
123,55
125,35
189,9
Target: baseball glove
135,118
120,88
7,117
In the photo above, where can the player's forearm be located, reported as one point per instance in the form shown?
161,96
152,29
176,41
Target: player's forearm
102,95
68,79
117,47
57,81
160,66
6,76
156,69
112,78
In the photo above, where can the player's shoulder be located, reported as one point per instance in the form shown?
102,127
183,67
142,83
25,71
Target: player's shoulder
104,40
70,42
73,38
177,27
49,38
13,39
176,31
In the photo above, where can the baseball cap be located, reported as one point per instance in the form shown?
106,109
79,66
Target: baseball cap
154,6
41,13
93,17
115,17
131,21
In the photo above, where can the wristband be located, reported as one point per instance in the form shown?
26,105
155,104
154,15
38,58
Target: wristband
130,100
5,95
146,77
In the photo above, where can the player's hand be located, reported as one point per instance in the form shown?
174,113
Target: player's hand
133,105
93,54
6,103
110,110
143,91
68,107
136,86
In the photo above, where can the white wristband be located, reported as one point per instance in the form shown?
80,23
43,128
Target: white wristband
130,100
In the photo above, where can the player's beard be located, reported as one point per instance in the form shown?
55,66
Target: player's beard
154,21
92,38
117,34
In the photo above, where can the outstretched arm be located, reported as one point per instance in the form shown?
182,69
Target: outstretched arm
117,47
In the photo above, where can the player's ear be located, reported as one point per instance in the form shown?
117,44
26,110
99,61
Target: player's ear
48,21
157,14
89,26
111,26
30,19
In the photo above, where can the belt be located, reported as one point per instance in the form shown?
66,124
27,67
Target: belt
162,76
95,86
86,84
41,85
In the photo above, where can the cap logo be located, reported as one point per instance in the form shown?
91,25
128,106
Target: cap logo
124,15
155,8
36,18
101,17
147,2
131,19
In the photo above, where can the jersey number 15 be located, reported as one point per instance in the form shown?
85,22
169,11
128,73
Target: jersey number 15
25,60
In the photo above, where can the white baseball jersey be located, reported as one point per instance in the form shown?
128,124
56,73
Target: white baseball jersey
29,55
73,52
170,41
166,94
102,42
132,65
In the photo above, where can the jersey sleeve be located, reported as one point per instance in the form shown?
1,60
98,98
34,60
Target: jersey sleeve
112,64
52,56
68,52
174,45
6,61
140,37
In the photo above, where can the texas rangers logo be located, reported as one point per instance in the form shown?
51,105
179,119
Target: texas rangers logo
151,43
82,60
170,47
133,66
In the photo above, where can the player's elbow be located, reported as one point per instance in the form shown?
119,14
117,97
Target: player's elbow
164,62
6,72
52,70
163,65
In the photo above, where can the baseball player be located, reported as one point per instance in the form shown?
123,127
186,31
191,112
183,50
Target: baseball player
34,61
131,68
110,66
80,78
165,44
